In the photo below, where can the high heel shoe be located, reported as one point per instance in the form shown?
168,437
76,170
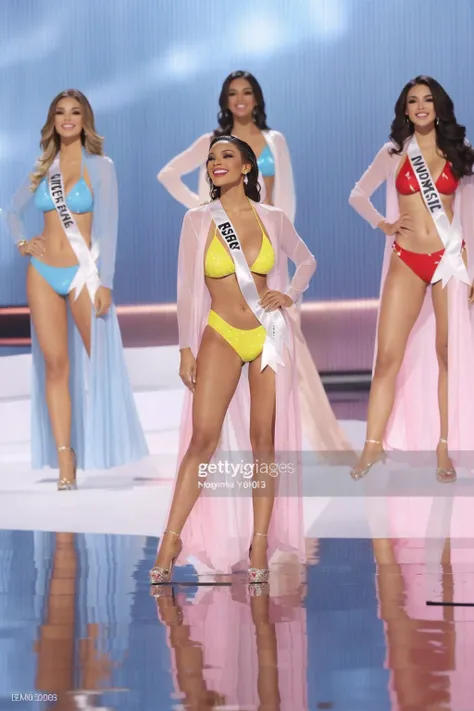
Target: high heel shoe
159,575
357,473
67,484
446,476
258,575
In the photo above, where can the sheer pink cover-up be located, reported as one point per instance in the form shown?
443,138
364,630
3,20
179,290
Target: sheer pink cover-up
219,530
319,422
222,626
414,424
424,579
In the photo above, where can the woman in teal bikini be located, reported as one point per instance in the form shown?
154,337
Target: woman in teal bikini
242,114
83,411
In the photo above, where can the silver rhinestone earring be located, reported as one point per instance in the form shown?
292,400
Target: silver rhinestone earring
246,179
437,121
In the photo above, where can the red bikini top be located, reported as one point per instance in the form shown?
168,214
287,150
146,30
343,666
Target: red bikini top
407,184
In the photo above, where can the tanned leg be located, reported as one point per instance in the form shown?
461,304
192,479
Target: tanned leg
402,300
218,372
440,305
49,315
262,438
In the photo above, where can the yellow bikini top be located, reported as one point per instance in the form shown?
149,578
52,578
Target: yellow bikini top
218,262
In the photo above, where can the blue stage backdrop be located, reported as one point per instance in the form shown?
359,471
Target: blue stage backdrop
331,71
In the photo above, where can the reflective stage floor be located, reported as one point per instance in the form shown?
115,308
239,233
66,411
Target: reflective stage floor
352,632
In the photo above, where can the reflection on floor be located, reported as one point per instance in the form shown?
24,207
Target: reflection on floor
352,633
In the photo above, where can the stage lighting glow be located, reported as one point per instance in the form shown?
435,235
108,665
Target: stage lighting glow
113,95
181,63
31,44
260,35
125,90
330,17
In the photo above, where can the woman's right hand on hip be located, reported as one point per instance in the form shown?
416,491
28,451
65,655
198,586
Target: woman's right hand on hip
35,247
187,369
402,226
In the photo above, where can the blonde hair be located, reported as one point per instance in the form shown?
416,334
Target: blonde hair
51,141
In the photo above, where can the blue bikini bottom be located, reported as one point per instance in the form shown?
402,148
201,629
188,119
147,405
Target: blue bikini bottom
59,278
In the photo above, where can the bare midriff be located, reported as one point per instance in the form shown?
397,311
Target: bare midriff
226,297
58,251
424,237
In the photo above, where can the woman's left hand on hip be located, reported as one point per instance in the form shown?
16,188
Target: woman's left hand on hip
273,300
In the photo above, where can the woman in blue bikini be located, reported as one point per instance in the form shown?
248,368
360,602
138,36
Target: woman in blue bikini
83,411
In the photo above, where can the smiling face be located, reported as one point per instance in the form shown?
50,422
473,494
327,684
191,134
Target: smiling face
225,165
241,99
420,107
68,118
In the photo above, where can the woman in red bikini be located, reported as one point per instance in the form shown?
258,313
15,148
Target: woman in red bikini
416,403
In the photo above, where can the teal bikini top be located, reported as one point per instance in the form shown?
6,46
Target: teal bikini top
266,163
79,199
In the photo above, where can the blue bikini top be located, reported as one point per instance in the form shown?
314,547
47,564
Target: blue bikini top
79,199
266,163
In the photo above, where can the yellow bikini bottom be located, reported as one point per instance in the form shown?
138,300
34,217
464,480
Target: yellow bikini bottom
247,343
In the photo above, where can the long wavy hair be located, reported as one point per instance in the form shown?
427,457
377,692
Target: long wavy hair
450,135
51,141
225,117
252,187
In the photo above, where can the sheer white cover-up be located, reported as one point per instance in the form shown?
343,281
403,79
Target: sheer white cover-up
106,430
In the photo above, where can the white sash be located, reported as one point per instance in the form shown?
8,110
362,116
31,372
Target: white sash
273,321
451,264
87,274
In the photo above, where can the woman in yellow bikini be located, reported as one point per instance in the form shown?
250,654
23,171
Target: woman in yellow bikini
232,272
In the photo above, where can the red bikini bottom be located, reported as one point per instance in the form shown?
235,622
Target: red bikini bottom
424,265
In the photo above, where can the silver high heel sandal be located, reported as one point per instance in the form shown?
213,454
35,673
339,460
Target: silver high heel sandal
357,473
446,476
66,484
258,575
159,575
